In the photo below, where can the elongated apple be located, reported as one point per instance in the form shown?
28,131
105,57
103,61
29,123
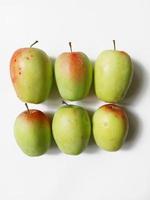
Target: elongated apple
31,73
32,130
73,73
71,129
110,127
112,75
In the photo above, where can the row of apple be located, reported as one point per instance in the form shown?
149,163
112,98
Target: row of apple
32,75
71,129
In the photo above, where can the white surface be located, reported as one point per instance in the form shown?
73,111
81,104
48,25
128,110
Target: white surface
91,26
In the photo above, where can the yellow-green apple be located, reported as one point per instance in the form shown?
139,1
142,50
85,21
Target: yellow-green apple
32,130
112,75
71,129
73,73
32,74
110,127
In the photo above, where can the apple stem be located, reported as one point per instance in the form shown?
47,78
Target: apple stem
33,44
26,105
70,45
114,43
63,102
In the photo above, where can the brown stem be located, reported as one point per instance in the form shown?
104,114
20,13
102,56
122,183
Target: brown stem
65,103
114,43
33,44
70,45
26,105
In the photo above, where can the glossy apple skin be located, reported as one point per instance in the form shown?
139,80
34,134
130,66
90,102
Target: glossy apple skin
71,129
73,72
113,73
32,132
110,127
32,74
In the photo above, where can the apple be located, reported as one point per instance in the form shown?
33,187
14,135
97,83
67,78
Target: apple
112,75
73,73
110,127
32,130
32,74
71,129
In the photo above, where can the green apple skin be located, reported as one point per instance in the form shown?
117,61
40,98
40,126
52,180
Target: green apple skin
73,73
110,127
32,74
71,129
113,73
32,132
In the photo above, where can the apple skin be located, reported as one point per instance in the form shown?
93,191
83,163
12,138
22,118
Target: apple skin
113,73
110,127
73,72
32,130
71,129
32,74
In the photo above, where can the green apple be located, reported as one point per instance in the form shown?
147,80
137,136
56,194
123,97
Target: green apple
110,127
112,75
71,129
32,130
73,73
32,74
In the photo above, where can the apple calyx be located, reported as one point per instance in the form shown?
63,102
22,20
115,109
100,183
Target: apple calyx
70,45
26,105
34,43
114,44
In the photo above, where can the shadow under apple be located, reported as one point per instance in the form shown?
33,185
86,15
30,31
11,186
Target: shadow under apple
54,100
92,147
138,84
135,130
53,150
91,97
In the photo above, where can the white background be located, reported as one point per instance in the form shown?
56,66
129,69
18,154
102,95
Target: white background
91,26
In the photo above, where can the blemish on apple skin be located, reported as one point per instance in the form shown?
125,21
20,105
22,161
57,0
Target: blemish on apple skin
13,68
19,73
27,58
18,53
105,124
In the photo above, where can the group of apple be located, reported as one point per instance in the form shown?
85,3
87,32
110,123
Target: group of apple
32,75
